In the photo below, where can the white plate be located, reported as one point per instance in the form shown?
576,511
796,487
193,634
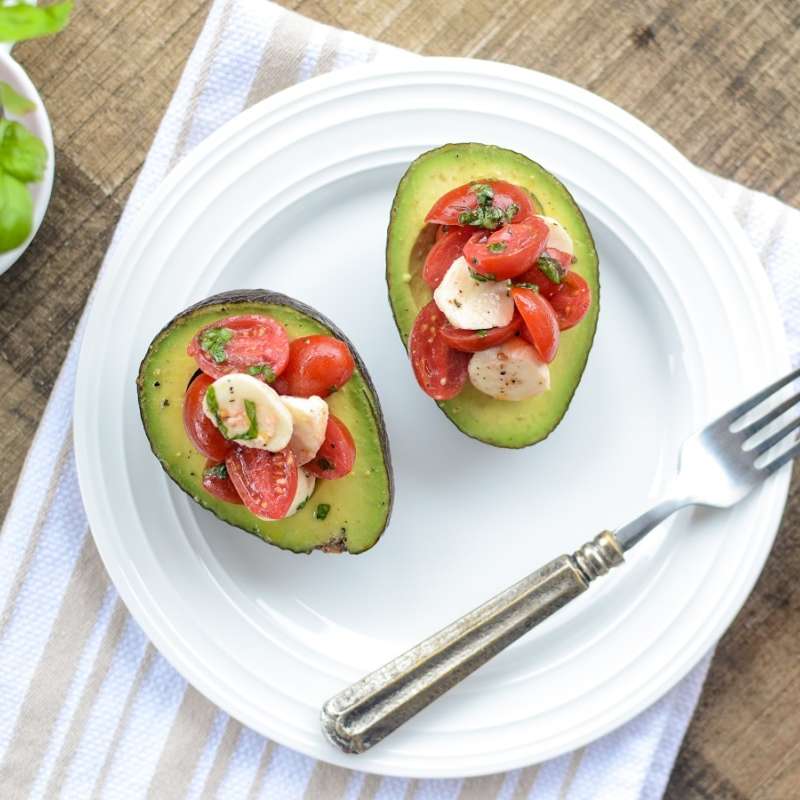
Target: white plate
294,195
38,123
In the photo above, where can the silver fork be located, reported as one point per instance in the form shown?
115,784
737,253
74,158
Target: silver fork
718,467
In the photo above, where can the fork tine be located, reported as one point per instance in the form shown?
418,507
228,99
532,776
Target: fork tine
783,458
771,441
762,422
759,397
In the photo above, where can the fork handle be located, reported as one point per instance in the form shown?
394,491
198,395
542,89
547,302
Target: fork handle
361,715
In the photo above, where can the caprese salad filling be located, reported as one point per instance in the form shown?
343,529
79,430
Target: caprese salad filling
257,411
503,290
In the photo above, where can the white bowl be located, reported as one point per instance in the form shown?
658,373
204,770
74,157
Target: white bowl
38,123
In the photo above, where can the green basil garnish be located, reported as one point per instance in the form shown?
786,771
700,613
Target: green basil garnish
213,341
217,471
480,277
264,370
213,407
551,268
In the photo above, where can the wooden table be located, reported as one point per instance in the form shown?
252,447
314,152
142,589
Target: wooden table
718,79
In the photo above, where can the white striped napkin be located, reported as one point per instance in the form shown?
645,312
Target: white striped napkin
88,708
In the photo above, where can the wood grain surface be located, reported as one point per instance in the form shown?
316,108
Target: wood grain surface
718,79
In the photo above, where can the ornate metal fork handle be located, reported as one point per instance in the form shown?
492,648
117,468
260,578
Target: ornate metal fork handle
364,713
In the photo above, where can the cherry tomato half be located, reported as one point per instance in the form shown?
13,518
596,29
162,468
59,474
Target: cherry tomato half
218,483
440,370
507,252
266,482
443,253
571,300
337,455
317,365
237,343
541,325
474,341
447,209
199,428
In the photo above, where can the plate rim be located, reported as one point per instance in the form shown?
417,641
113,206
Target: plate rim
174,652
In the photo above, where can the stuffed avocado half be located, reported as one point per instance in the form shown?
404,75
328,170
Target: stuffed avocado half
432,218
342,500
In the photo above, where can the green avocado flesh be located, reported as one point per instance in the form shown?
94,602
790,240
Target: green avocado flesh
360,503
497,422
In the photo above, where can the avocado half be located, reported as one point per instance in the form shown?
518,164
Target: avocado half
497,422
360,503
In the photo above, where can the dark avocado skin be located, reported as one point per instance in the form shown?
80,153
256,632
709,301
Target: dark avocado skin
496,422
361,503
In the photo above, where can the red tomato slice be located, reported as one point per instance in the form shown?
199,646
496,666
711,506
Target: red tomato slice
218,483
443,253
337,455
235,344
266,482
440,370
199,428
317,365
447,209
474,341
507,252
571,300
540,322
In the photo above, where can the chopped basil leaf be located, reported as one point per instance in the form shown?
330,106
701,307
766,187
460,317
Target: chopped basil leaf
324,464
551,268
304,503
484,193
532,286
480,277
264,370
217,471
483,332
252,431
496,247
486,214
322,510
213,407
213,341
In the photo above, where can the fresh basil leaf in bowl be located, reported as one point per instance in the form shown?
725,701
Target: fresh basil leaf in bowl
13,102
22,154
16,212
21,21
